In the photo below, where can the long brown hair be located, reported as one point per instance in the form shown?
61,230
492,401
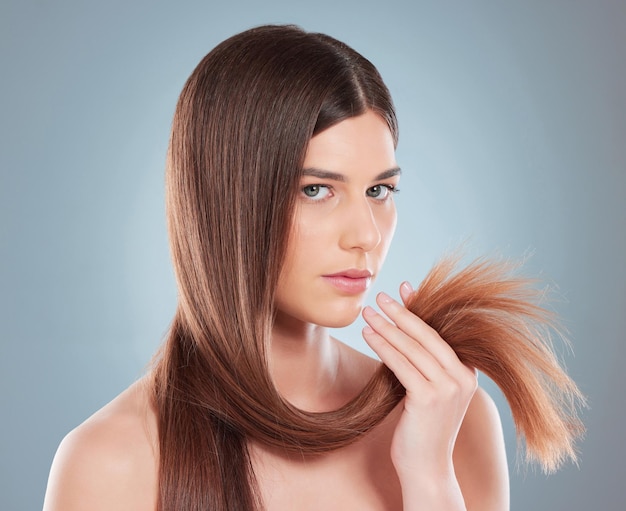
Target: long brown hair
238,139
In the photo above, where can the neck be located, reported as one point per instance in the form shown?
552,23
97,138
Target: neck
304,362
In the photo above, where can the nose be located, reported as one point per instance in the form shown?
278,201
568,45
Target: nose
360,229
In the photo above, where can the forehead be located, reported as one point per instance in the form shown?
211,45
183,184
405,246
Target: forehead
362,142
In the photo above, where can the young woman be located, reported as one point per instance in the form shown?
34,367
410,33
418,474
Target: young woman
280,181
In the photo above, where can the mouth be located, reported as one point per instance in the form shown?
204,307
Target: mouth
352,281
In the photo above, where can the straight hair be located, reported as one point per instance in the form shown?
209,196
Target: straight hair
240,131
239,135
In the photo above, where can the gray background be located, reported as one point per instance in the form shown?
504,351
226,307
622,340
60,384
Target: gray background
513,123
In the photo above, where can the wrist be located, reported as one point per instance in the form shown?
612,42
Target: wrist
432,491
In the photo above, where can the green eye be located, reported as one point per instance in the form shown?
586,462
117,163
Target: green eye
381,192
311,191
316,192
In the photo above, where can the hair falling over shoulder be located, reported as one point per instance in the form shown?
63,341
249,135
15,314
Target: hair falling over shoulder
238,140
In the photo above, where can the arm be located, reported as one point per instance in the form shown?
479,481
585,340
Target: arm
439,389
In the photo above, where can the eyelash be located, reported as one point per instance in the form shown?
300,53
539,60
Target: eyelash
391,190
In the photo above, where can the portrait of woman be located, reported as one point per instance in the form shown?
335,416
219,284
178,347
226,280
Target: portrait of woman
282,197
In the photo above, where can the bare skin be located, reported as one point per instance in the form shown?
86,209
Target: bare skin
440,449
110,462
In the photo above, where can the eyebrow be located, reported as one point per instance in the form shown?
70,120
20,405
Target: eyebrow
334,176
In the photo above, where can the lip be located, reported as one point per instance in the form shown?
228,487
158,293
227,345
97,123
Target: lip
352,281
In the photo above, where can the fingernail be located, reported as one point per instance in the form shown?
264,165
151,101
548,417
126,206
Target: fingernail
385,298
368,311
406,287
367,330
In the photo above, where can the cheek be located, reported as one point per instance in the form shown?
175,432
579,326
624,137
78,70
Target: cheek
387,226
306,241
315,234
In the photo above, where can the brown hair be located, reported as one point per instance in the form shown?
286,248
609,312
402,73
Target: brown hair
239,135
238,139
496,321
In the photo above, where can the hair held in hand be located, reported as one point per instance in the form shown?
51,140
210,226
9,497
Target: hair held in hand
239,136
495,323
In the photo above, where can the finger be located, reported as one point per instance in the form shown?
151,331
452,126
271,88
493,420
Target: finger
413,351
408,375
405,291
417,329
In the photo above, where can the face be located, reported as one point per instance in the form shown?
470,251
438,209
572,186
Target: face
343,223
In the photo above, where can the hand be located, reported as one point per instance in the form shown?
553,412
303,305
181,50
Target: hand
438,390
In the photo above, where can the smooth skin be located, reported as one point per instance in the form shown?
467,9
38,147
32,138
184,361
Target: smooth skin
440,449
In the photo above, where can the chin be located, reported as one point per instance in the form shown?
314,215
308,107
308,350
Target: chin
324,311
339,318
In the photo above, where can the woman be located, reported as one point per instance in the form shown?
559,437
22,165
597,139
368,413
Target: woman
280,182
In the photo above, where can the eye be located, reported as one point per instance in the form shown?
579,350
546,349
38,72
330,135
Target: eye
381,192
316,192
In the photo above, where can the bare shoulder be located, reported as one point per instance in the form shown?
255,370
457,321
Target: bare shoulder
480,457
109,461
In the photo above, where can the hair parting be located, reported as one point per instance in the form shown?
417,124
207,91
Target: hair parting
239,135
